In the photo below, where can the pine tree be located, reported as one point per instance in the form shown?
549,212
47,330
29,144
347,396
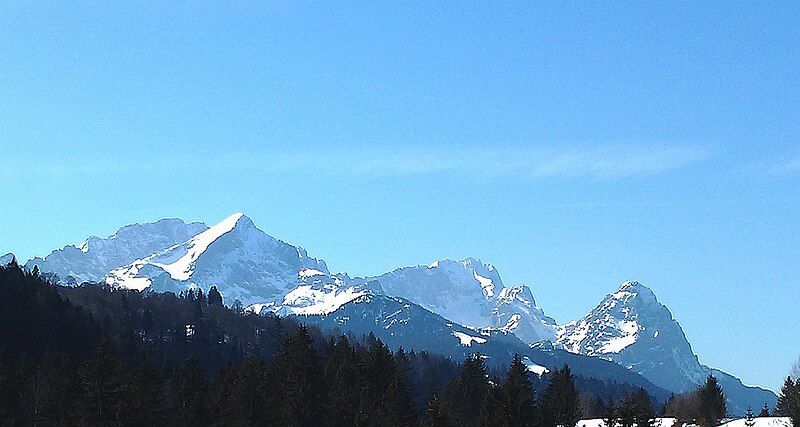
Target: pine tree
494,411
345,381
627,411
191,394
298,374
610,417
399,401
711,400
560,400
220,394
644,415
436,413
469,389
102,387
517,394
789,401
214,297
253,400
764,411
749,418
142,403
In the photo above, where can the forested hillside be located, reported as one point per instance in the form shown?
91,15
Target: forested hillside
97,356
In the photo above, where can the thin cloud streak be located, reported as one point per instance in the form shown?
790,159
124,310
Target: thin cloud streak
599,162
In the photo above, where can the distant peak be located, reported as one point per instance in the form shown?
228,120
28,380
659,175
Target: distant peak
235,217
636,288
7,259
630,284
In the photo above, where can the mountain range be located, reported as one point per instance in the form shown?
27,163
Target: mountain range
452,307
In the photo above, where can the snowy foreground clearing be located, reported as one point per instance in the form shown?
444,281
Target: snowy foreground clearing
668,422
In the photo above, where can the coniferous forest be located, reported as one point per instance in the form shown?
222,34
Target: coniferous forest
90,355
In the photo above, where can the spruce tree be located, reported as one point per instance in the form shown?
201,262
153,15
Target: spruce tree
517,394
436,413
399,400
610,417
764,411
789,401
345,382
102,387
191,394
214,297
142,403
711,400
644,415
560,400
469,389
627,411
298,374
749,418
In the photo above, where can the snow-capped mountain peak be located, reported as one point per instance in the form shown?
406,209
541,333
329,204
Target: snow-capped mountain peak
472,293
632,328
243,261
182,268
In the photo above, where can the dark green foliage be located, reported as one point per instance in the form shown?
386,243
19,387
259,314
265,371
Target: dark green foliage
103,387
297,373
517,395
789,401
88,355
711,403
610,417
214,297
764,411
189,394
143,393
560,400
468,391
436,413
644,415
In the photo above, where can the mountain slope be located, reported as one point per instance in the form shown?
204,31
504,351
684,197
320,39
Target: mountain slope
471,293
401,323
632,328
92,259
245,264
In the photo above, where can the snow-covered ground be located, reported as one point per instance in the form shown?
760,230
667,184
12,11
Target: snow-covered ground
598,422
668,422
761,422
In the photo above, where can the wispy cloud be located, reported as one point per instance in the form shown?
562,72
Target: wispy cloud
596,161
782,166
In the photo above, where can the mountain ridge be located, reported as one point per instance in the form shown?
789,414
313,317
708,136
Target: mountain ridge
271,276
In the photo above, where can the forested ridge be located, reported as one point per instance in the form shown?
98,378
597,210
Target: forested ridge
90,355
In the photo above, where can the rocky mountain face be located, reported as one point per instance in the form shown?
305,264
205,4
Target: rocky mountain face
471,293
92,259
633,329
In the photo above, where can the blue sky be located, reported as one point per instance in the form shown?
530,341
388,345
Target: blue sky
573,146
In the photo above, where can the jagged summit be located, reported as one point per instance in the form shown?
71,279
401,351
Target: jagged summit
471,292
